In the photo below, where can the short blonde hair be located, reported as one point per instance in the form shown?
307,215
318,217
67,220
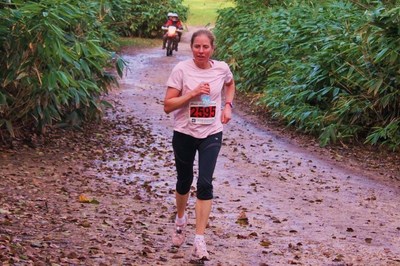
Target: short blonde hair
205,32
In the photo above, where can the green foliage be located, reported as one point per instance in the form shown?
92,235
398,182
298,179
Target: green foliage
143,18
56,56
52,68
139,42
330,69
204,12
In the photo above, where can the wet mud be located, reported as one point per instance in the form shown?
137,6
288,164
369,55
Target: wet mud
278,201
299,208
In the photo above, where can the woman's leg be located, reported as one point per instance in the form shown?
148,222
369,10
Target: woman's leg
184,151
208,153
203,210
181,203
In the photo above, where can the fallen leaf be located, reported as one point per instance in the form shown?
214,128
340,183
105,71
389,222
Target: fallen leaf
37,244
241,237
85,224
85,199
242,218
338,258
163,259
3,211
253,234
173,250
195,262
265,243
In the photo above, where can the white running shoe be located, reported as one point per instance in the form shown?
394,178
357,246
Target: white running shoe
200,250
178,237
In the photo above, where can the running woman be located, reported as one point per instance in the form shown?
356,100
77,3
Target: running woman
195,92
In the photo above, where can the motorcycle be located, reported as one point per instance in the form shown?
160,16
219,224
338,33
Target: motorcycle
172,39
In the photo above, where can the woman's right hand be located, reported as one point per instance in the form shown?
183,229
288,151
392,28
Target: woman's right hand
174,100
202,88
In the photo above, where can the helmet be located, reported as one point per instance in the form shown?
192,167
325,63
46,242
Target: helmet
174,17
170,14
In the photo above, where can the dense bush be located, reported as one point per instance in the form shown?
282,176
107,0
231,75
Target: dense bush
143,18
52,65
55,57
330,69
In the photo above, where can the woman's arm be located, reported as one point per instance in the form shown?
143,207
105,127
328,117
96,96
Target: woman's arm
229,91
174,100
229,95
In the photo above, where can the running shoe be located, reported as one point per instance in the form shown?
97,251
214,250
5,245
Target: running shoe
200,250
178,237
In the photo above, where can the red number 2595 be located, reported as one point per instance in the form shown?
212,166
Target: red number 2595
202,111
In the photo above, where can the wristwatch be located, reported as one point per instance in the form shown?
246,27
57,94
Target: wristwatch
229,103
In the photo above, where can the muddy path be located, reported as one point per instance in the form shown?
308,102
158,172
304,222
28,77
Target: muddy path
300,208
303,205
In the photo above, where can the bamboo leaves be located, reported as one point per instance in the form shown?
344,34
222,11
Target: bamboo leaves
335,60
53,64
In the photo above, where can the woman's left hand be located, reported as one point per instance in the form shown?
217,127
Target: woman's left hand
226,114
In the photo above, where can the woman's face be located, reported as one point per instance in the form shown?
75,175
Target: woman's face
202,49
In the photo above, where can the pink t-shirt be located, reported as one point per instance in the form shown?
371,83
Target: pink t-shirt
185,77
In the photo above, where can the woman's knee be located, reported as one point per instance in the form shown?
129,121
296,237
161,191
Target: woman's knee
183,187
204,191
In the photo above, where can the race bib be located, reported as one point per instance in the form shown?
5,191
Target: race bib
202,113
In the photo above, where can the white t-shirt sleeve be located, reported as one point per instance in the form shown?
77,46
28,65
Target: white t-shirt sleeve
175,79
229,75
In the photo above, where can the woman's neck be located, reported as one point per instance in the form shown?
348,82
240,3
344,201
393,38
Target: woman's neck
205,65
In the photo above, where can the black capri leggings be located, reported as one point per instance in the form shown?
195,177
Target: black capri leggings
185,148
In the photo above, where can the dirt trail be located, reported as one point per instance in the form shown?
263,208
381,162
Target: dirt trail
301,208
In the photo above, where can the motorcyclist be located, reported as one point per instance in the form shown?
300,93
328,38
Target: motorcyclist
173,20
